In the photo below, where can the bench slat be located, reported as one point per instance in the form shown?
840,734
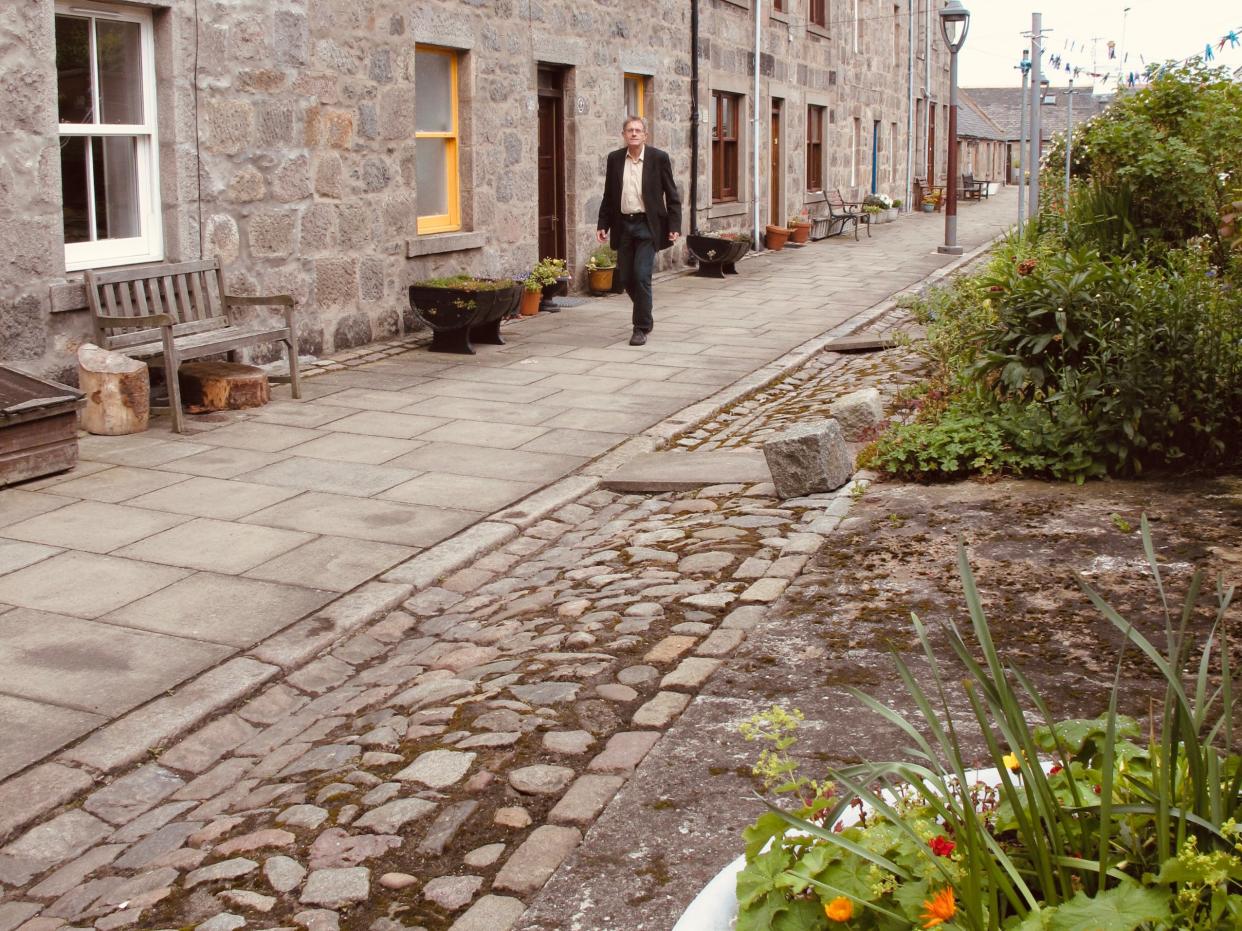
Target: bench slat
142,272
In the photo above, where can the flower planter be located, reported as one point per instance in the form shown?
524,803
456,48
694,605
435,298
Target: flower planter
801,232
775,237
530,302
459,316
929,208
38,427
558,288
715,907
716,255
600,280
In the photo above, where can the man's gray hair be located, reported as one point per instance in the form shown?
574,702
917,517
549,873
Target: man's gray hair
633,118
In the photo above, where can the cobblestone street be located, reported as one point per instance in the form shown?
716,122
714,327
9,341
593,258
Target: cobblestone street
427,749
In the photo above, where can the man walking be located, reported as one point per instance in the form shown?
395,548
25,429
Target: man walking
640,214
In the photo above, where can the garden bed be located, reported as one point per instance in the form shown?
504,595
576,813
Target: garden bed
681,819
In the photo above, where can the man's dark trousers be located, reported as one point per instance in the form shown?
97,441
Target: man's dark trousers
635,260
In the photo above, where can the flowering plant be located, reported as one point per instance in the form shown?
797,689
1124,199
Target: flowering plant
603,257
883,201
1105,833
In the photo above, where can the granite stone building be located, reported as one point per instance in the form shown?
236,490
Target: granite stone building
339,149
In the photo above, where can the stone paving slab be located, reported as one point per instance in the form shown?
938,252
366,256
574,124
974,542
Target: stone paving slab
679,471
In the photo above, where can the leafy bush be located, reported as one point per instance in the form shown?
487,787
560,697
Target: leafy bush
1173,145
1083,826
1066,364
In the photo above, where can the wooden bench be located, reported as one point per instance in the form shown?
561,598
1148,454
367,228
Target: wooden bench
972,189
924,192
841,213
168,314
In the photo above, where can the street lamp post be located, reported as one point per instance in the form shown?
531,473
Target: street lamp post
1025,67
954,24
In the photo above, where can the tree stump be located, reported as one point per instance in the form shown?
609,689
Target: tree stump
117,389
222,386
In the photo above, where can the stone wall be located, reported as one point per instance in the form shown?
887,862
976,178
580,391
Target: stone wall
286,140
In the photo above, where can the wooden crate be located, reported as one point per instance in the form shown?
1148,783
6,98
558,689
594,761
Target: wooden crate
38,427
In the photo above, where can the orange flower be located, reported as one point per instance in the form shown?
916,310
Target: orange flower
839,909
939,908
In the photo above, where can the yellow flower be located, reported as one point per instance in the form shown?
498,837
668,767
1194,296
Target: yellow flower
839,909
1011,762
939,908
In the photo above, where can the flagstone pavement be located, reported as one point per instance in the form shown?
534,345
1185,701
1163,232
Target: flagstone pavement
169,575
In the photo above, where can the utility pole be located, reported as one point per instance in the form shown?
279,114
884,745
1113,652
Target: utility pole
1025,67
1037,50
1069,141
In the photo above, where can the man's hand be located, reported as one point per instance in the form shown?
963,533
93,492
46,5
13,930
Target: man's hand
601,235
673,236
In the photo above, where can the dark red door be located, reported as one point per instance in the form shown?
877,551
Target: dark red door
551,164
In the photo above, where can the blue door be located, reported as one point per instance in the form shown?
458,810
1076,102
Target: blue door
875,156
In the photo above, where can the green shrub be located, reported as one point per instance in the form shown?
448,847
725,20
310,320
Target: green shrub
1174,145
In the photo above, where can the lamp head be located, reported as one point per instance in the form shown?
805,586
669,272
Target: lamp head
954,24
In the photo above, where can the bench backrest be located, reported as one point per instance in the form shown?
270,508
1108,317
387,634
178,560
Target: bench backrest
191,293
836,203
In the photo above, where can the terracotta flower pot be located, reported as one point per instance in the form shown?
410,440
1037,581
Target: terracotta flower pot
530,302
801,232
775,237
600,280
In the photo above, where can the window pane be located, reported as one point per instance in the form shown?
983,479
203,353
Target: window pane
73,69
433,89
119,49
431,176
633,98
116,187
74,191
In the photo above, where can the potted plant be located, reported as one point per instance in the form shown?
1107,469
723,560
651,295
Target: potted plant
897,204
545,275
883,204
801,227
600,266
462,308
775,237
716,253
1118,826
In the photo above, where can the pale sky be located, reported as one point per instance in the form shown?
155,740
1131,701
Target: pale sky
1155,29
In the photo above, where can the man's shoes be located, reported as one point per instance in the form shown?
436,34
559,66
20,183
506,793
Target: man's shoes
639,338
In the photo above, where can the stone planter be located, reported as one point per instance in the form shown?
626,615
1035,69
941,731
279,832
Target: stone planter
775,237
716,256
715,907
459,316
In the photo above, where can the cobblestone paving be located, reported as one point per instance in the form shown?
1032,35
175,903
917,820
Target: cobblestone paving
435,769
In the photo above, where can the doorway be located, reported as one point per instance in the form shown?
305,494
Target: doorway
777,206
551,163
875,156
931,144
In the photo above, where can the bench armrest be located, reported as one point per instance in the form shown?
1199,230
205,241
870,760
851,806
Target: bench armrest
263,300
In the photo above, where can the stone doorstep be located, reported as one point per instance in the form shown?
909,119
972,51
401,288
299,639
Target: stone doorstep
688,471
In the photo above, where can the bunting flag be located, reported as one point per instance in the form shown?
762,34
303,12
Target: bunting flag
1060,62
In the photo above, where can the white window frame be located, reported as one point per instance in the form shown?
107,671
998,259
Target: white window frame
149,245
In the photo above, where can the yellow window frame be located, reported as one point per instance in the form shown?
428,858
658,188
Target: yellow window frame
640,85
444,222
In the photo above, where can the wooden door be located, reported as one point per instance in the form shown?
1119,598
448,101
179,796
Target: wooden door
777,209
551,164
